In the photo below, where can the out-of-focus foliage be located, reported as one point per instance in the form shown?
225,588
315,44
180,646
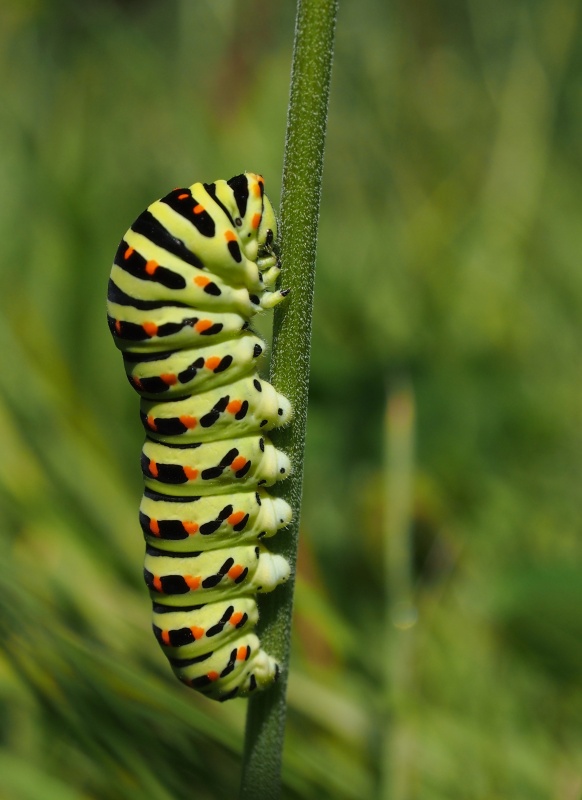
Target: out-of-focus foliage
449,257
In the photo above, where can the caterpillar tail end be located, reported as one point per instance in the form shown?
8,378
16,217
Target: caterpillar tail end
265,671
262,672
236,670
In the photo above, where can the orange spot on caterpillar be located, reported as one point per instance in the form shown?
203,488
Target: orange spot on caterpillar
235,518
257,186
236,618
256,221
212,362
234,406
154,527
153,468
190,473
238,463
201,280
188,421
169,378
197,632
150,328
183,196
157,583
128,253
241,653
235,572
151,422
203,325
198,209
136,382
190,527
166,637
212,676
193,581
151,266
118,326
230,236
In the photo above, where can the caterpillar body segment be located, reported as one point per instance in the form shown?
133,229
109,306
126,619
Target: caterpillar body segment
208,416
179,372
187,279
172,328
178,579
202,291
195,523
225,620
212,467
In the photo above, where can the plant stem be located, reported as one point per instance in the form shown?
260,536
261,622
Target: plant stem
302,172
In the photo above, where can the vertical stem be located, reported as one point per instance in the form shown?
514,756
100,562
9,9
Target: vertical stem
302,172
400,613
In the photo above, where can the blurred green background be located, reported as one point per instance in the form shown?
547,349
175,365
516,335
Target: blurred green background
449,285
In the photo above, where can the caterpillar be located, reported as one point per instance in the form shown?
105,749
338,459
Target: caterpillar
187,279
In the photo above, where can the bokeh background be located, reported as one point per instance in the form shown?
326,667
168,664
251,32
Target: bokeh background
438,638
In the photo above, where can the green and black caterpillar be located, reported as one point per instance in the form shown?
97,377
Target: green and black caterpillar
187,279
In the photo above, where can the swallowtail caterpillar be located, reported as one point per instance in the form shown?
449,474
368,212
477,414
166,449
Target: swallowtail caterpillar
188,278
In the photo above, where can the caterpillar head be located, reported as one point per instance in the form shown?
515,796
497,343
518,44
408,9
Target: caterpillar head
254,217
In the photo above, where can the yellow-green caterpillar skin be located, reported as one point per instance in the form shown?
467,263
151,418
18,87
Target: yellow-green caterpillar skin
187,279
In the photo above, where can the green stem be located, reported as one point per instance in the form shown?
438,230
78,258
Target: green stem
302,171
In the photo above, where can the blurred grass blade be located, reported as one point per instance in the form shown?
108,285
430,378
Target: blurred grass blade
401,613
